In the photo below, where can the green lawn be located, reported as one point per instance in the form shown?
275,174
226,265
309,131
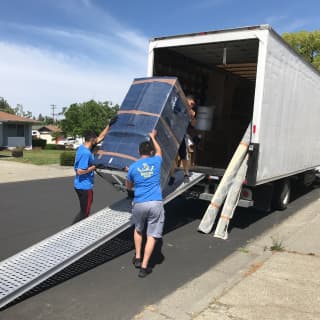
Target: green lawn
35,156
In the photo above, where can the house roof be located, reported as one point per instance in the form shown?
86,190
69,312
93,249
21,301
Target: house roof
48,127
8,117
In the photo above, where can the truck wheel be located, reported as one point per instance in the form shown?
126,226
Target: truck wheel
281,194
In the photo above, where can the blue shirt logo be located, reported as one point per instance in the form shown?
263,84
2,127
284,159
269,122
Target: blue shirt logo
145,175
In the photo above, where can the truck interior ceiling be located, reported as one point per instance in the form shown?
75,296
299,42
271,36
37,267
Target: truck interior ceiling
222,77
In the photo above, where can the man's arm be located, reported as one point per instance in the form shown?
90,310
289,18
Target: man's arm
84,171
193,120
106,130
129,185
103,133
157,148
83,167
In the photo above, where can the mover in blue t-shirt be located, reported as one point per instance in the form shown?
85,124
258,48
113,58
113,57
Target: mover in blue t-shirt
144,176
84,169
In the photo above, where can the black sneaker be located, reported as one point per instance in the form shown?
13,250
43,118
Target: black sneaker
144,272
186,178
171,181
136,262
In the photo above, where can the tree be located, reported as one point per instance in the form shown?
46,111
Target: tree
90,115
19,111
5,107
48,120
40,117
307,44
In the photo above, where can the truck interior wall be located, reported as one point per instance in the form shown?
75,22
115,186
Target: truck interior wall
231,95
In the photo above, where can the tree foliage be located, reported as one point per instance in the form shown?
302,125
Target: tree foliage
19,111
307,44
90,115
5,107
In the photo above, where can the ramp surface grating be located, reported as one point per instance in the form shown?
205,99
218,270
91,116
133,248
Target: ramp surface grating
30,267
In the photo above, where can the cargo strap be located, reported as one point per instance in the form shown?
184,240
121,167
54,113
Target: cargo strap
139,112
144,113
115,154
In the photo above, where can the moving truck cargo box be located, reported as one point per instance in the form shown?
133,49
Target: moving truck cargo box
151,103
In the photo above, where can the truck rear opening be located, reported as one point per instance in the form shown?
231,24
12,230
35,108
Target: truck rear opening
220,74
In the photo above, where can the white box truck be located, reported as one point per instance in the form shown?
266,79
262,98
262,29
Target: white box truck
251,77
247,77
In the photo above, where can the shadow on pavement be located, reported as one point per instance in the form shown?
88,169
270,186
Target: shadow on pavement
179,213
252,215
120,245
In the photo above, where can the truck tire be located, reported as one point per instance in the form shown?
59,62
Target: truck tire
308,178
281,194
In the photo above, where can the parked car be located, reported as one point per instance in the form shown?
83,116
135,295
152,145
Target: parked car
71,143
67,141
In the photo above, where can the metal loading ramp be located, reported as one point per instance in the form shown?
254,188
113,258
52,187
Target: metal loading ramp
28,268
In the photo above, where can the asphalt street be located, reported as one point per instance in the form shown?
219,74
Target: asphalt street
104,284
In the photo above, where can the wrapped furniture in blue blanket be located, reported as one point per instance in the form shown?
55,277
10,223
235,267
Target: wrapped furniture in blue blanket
151,103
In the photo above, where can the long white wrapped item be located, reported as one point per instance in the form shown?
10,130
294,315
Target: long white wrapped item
219,196
231,201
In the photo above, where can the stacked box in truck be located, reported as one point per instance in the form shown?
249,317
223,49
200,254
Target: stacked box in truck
251,76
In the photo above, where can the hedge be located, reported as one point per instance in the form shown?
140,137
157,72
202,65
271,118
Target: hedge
67,158
39,143
50,147
55,147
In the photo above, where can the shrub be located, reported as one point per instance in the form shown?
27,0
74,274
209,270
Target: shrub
50,147
60,147
17,152
67,158
39,143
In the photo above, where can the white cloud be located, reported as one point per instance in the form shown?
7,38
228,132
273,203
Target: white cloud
126,45
295,25
37,78
282,23
66,64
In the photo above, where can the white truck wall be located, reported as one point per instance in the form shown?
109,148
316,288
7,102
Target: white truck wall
288,130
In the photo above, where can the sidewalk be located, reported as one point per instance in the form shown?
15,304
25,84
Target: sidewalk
256,282
15,171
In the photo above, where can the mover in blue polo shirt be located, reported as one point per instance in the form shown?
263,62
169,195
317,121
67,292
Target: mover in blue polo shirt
144,177
84,169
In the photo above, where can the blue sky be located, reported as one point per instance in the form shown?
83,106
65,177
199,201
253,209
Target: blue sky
65,51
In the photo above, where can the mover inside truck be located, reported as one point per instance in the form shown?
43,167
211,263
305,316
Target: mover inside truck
221,76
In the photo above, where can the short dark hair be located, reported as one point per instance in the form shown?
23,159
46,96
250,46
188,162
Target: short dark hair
146,148
191,97
88,135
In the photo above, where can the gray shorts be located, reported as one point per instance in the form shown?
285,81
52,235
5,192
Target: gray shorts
149,213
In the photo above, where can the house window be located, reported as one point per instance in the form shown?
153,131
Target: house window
15,130
20,130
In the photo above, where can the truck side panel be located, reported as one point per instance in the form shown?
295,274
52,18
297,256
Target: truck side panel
289,133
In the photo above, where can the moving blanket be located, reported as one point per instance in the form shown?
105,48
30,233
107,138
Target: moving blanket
151,103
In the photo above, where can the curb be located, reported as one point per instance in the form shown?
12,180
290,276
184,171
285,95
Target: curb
195,297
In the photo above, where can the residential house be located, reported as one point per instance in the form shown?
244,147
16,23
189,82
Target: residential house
47,132
15,131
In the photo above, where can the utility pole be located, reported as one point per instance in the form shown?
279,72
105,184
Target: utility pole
53,108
